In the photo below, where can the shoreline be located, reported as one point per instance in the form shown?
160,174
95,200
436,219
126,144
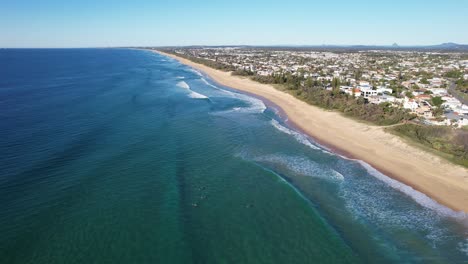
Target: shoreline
440,180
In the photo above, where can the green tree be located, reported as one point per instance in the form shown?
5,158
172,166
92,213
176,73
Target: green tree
335,85
437,101
437,111
409,94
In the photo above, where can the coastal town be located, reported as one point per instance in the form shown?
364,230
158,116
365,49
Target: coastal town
429,85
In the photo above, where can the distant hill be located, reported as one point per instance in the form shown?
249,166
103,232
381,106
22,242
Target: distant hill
450,46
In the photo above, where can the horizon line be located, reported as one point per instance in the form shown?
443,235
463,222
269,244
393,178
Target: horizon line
246,45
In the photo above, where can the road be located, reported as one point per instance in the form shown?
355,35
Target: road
456,94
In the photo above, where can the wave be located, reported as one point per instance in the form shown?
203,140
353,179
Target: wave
255,105
192,94
417,196
197,95
218,88
463,246
196,72
184,85
301,138
301,166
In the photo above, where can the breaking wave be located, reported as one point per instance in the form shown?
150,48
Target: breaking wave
196,72
300,166
184,85
417,196
298,136
255,105
197,95
192,94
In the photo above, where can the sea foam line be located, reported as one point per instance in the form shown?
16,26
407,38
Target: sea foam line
255,105
301,138
417,196
302,166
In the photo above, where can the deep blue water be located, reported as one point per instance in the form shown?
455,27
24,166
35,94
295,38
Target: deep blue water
126,156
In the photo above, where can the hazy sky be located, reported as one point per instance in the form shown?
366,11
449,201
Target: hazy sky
92,23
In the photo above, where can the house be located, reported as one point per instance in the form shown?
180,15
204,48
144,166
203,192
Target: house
451,102
438,91
384,89
435,82
410,104
381,99
368,93
357,91
424,111
423,97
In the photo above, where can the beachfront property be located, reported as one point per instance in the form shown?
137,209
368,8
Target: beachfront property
405,79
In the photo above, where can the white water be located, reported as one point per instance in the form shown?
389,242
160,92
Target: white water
302,166
192,94
257,106
417,196
301,138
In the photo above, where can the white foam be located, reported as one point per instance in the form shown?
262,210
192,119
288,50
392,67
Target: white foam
298,136
197,95
417,196
180,77
231,94
197,72
192,94
209,84
302,166
463,246
337,174
184,85
256,105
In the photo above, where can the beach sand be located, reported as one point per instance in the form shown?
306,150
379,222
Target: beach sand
439,179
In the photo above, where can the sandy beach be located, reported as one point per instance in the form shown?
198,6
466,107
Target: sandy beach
439,179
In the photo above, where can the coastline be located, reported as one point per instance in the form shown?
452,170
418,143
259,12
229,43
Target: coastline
444,182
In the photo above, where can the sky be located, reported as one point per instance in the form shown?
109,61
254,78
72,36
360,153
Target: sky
116,23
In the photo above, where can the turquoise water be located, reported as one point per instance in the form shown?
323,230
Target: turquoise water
126,156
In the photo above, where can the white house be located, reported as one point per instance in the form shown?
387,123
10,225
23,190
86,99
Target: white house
383,89
381,99
368,93
435,82
364,84
410,104
451,102
357,92
438,91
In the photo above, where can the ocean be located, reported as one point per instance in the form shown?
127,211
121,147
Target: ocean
127,156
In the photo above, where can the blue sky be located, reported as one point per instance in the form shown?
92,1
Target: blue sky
88,23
